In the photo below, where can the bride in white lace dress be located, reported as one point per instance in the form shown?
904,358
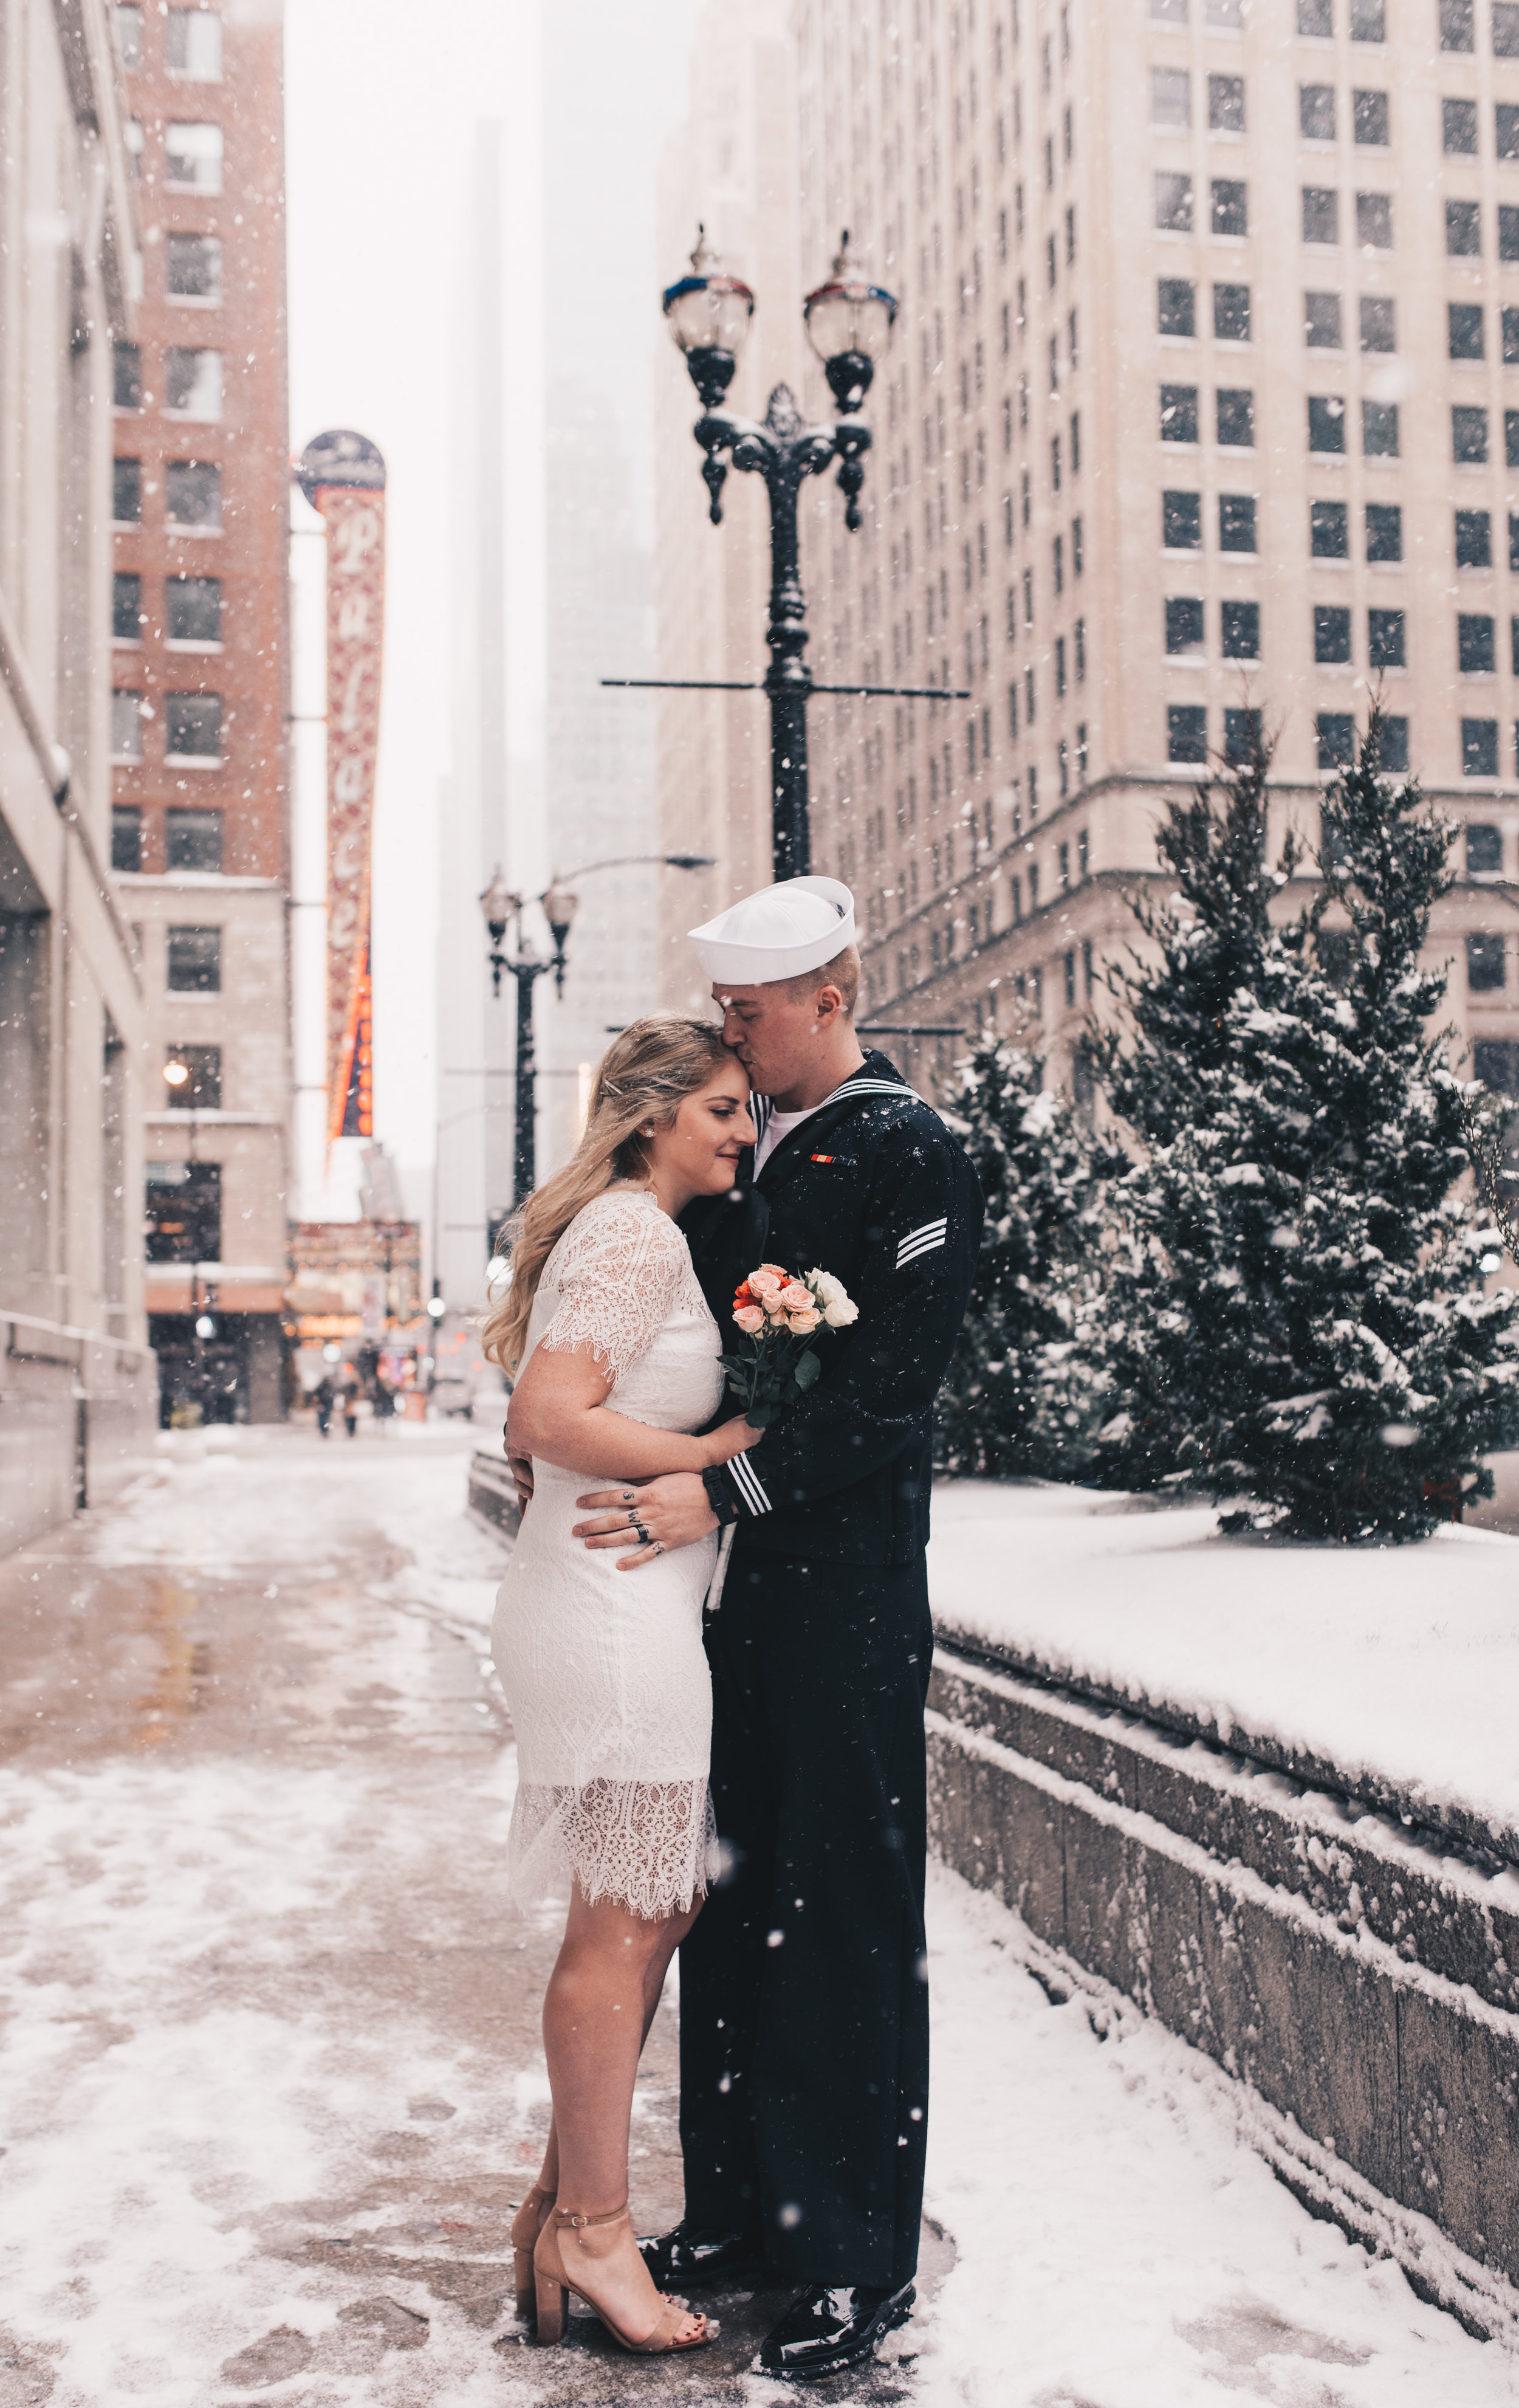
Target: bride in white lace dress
616,1361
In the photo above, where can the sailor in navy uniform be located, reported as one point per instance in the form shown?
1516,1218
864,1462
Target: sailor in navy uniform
804,2001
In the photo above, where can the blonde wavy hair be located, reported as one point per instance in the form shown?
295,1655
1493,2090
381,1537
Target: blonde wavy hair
641,1080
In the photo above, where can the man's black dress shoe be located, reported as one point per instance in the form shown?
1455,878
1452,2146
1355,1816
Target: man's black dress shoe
828,2329
695,2255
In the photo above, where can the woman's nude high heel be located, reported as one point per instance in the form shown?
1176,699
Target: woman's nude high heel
556,2282
526,2225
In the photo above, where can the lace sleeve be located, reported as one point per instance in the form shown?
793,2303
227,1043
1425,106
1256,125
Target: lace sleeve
617,1275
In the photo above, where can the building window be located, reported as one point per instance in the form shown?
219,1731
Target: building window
129,39
1455,25
126,724
1170,99
1331,633
126,613
1241,736
1240,629
1321,215
1484,849
1479,748
192,726
192,45
192,495
1510,338
1458,120
193,383
1235,419
1326,422
1506,127
1383,531
1473,539
1186,732
193,839
1469,435
1475,647
1505,29
1329,530
1177,311
1394,745
1379,429
1316,111
1378,322
192,609
1463,230
193,157
1336,732
1321,321
199,1089
184,1211
1384,640
1230,208
1184,623
195,961
1464,324
126,492
1226,104
1231,314
126,375
1236,523
1181,521
1068,967
125,837
1370,115
1083,856
1060,668
1485,965
1368,21
1179,413
1507,231
1081,652
1374,220
1510,438
1316,20
193,266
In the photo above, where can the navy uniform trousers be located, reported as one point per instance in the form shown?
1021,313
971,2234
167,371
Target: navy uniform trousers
804,1995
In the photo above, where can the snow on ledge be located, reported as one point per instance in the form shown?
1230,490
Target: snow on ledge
1389,1672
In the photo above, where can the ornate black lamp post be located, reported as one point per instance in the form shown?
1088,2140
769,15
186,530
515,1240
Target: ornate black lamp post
502,907
848,324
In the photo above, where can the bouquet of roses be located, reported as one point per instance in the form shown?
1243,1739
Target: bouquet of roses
780,1314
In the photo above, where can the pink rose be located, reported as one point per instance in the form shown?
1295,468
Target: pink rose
797,1299
749,1318
804,1322
765,1283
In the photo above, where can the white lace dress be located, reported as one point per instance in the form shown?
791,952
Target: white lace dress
604,1670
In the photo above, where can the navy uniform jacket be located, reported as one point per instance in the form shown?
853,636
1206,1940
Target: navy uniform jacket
873,1188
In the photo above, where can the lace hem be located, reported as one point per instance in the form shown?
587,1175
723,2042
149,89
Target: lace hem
652,1845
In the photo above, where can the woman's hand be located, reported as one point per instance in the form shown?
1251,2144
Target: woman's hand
733,1438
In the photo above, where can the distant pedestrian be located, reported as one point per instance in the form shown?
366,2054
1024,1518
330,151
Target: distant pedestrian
350,1406
324,1395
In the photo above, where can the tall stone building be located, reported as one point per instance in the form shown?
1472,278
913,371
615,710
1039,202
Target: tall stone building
1204,401
198,715
76,1378
732,167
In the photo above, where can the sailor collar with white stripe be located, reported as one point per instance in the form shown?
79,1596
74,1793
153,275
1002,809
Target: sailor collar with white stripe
859,1086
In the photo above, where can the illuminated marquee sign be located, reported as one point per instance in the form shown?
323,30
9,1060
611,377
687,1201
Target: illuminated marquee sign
343,476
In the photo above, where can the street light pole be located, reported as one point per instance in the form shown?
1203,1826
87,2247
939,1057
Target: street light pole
502,907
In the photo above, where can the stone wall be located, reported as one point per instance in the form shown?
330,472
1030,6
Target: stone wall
1355,1976
78,1415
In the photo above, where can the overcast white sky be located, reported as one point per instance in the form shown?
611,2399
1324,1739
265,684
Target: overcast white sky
380,102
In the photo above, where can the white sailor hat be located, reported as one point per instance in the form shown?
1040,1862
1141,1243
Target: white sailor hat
778,933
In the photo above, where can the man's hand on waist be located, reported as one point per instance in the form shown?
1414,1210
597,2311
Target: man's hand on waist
674,1510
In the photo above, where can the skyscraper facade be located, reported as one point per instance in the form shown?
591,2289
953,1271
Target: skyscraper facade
200,840
1204,403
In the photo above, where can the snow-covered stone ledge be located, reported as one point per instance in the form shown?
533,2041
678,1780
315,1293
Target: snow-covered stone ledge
1327,1907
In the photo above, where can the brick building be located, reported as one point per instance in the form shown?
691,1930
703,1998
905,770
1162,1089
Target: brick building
199,710
1204,400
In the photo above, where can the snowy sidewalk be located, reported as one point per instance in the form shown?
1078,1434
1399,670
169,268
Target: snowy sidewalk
269,2069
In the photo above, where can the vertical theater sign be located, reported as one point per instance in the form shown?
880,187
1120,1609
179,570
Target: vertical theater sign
343,476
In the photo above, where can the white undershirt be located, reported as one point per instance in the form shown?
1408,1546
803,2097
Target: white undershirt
778,1127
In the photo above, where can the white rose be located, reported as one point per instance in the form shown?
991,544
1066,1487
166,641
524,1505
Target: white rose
840,1312
824,1285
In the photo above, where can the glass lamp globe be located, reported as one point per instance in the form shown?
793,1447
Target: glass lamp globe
497,903
559,908
848,324
708,312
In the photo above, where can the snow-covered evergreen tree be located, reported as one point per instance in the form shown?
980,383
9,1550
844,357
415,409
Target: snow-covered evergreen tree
1301,1321
1019,1397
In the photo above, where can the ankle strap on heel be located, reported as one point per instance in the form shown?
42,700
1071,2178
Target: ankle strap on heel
564,2221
